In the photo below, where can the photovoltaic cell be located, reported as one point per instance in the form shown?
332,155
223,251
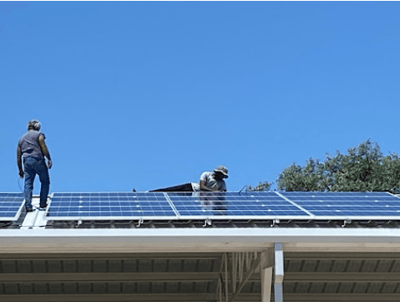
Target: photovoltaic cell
347,204
108,206
234,205
11,205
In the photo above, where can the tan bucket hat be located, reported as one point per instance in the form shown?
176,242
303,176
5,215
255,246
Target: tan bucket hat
223,170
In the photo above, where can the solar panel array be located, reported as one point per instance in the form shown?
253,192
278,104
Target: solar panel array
11,205
227,205
109,206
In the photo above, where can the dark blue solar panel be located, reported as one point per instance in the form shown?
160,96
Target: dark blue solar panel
347,204
233,205
11,206
228,205
112,205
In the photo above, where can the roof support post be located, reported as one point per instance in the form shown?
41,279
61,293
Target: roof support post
279,272
266,265
226,278
234,271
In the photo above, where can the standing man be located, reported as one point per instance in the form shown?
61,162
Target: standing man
31,150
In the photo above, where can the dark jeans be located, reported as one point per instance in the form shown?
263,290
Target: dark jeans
33,166
180,188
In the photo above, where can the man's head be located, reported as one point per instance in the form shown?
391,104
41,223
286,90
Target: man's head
34,125
221,172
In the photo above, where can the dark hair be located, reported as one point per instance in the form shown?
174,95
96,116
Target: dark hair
34,125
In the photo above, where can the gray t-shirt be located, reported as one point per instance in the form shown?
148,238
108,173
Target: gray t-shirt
29,144
210,182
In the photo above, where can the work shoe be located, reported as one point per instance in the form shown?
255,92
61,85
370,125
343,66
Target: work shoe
43,208
28,210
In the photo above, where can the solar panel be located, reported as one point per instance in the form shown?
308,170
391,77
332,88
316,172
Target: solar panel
109,206
353,205
235,205
11,205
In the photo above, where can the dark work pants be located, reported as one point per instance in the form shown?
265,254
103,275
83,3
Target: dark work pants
33,166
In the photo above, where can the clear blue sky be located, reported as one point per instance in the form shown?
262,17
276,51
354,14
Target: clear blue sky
151,94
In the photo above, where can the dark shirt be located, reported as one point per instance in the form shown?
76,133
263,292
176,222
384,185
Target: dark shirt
29,144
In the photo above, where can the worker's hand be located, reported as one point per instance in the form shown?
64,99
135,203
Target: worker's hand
49,163
21,173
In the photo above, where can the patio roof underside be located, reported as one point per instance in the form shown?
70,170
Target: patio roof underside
309,276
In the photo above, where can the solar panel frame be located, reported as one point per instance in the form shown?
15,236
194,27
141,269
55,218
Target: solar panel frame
18,209
85,215
340,197
221,214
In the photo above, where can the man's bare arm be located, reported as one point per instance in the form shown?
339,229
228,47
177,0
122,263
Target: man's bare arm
19,162
45,151
203,186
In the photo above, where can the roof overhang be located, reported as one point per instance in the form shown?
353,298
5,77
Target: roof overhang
197,240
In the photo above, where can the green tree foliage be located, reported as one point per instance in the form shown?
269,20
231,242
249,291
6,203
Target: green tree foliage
262,186
363,168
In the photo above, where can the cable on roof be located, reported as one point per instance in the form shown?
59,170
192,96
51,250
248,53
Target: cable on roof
19,184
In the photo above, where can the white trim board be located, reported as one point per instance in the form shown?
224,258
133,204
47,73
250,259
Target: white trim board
197,240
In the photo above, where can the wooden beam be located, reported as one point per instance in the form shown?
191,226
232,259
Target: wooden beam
266,271
342,277
110,256
329,297
193,277
109,297
341,256
109,277
266,284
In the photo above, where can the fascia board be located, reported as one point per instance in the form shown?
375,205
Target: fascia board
194,240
